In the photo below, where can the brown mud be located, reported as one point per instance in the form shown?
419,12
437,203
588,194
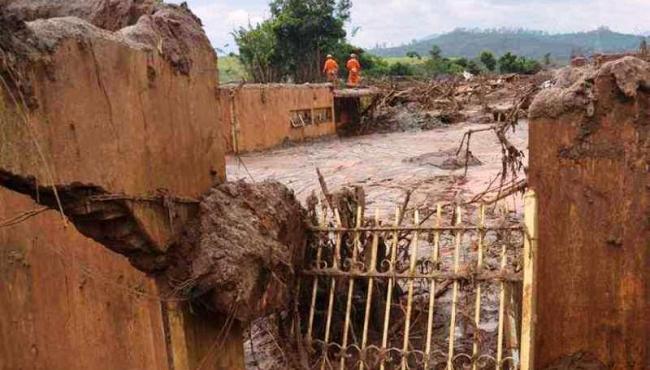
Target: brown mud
240,253
31,30
237,254
383,165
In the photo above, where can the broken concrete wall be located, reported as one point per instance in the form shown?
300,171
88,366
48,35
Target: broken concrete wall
256,117
67,302
589,164
132,113
115,113
63,312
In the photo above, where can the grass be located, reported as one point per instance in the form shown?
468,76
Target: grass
231,70
403,60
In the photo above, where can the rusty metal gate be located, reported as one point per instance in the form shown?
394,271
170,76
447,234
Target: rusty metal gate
444,289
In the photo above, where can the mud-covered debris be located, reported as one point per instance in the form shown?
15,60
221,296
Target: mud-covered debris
446,160
240,253
630,73
171,30
109,15
576,87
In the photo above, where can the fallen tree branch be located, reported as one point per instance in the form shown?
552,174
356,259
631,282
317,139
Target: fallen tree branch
323,186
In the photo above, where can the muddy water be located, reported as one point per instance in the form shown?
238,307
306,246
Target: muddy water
379,163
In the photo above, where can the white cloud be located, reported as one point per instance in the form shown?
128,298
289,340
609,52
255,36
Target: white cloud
222,17
399,21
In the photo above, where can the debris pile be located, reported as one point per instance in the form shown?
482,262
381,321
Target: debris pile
446,159
412,104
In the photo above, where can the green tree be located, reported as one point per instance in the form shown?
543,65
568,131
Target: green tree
442,66
510,63
291,45
488,60
547,59
463,62
414,55
435,52
401,69
305,29
257,52
473,68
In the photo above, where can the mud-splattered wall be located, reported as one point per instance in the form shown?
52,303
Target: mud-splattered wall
256,117
589,164
69,303
104,110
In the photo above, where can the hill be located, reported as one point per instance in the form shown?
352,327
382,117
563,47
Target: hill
533,44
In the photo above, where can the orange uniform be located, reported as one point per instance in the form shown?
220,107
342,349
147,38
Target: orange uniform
331,69
354,72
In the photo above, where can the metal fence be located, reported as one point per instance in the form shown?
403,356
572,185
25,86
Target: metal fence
432,290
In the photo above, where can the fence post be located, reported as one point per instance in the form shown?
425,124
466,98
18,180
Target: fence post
528,300
177,340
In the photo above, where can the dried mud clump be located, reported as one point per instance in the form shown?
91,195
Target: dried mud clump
171,30
575,87
238,256
110,15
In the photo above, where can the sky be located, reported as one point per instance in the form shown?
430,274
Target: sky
394,22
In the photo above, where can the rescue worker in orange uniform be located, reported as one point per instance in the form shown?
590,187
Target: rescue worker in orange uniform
331,69
354,71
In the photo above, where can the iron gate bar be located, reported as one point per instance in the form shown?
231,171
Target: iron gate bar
478,276
335,268
417,228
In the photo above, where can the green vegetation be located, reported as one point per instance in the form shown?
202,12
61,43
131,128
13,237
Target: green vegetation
290,45
510,63
435,65
488,60
413,54
529,44
258,52
231,70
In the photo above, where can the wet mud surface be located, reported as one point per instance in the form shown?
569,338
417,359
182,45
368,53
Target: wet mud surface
383,164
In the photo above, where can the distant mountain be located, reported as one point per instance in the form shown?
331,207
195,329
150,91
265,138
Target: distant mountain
430,37
532,44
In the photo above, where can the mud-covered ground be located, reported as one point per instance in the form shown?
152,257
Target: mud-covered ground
386,165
